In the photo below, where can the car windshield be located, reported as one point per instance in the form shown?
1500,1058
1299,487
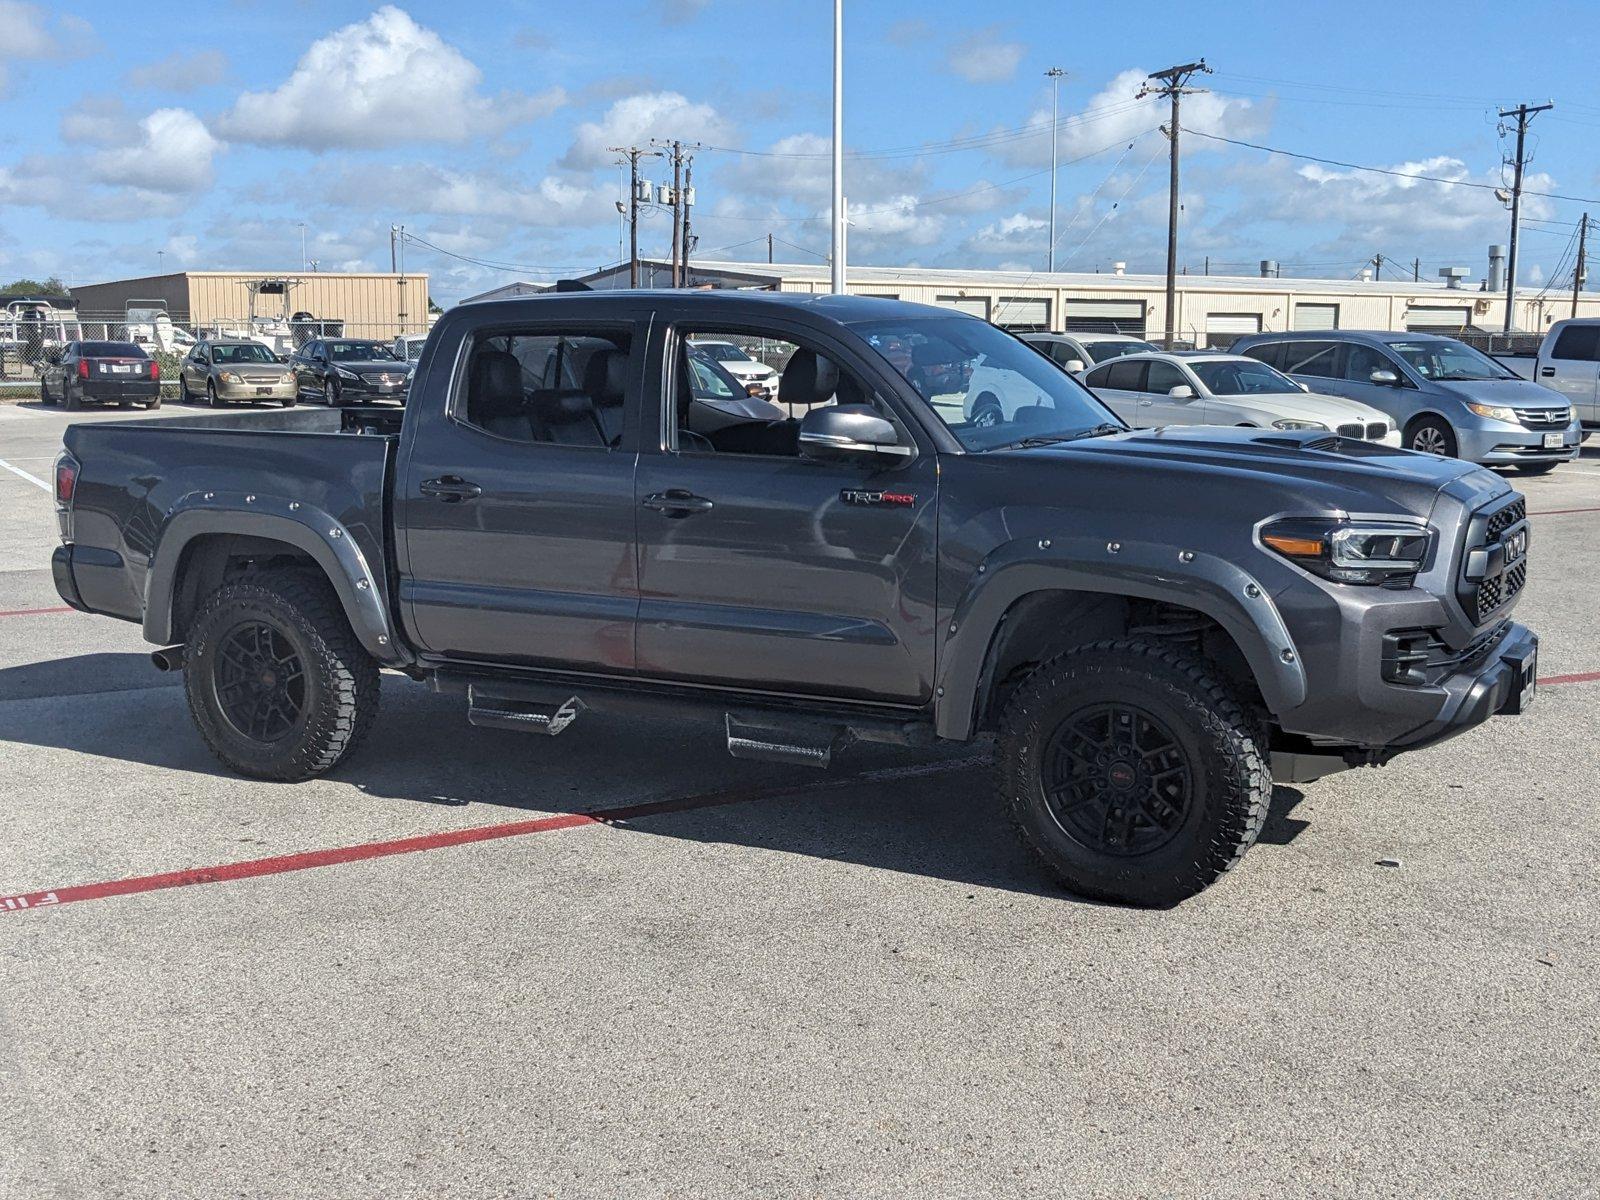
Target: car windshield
359,352
110,350
1447,360
723,351
1100,351
711,382
1241,377
990,389
252,353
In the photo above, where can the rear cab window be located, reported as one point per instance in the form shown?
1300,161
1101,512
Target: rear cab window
1579,343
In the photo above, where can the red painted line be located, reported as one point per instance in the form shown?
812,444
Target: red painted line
34,612
309,859
1561,512
1581,677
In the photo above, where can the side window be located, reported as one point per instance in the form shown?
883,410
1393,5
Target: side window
1063,353
1163,378
1125,376
1270,353
564,387
751,400
1318,359
1361,361
1097,378
1581,342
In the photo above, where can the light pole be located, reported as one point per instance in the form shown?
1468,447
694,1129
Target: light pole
838,147
302,245
1055,74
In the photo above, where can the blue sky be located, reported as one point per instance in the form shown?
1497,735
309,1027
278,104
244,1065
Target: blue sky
140,137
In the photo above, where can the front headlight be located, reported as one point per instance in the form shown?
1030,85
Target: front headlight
229,377
1286,423
350,375
1385,553
1494,412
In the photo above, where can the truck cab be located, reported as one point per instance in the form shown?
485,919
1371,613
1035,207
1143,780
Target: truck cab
1569,362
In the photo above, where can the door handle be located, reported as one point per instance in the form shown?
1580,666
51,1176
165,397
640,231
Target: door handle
452,489
1146,403
677,503
1547,371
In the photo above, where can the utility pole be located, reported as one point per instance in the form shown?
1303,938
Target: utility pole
837,211
688,203
677,211
1054,74
1416,270
1173,83
1377,267
634,154
1579,271
769,247
302,245
1523,113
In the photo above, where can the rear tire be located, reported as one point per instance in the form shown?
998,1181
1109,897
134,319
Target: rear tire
44,393
1133,772
155,403
1430,435
277,683
68,401
986,412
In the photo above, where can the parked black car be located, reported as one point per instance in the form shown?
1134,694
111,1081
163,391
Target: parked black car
100,373
1154,623
336,370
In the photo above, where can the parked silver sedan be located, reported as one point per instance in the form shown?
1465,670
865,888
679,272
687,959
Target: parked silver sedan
232,371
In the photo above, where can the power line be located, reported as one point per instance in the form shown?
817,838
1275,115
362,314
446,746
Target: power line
1173,85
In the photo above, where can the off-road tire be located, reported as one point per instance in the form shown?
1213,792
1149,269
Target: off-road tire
341,678
1222,738
1437,432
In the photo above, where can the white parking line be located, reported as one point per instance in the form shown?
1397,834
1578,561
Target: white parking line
33,479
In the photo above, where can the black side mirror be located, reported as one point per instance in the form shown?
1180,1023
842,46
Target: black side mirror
53,356
849,432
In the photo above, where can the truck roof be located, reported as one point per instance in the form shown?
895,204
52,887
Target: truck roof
847,309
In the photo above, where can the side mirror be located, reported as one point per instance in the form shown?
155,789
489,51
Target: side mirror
1074,365
1304,387
1386,378
1182,392
53,356
846,432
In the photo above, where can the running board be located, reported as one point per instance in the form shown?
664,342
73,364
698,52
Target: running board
499,712
768,743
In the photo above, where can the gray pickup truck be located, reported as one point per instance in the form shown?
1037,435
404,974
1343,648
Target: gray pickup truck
1153,624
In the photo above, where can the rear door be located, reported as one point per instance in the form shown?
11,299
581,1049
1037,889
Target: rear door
761,569
518,516
1120,384
1573,369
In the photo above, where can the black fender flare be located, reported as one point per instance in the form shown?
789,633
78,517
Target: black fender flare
307,528
1207,583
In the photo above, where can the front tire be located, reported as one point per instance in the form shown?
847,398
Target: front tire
277,683
1133,771
183,389
1536,468
211,394
1430,435
331,392
986,413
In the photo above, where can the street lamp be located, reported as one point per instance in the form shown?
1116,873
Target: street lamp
1054,74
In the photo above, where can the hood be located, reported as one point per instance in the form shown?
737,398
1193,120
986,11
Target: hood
1518,393
1310,406
1266,471
742,369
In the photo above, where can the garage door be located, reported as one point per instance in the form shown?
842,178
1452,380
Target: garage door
1438,316
1316,317
973,306
1106,316
1223,329
1022,312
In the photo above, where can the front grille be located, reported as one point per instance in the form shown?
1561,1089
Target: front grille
1545,418
1506,517
263,380
1486,596
1352,431
1377,431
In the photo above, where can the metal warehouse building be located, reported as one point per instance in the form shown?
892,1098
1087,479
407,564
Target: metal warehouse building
1213,310
369,305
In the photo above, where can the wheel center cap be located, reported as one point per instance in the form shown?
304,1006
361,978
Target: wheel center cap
1122,775
268,678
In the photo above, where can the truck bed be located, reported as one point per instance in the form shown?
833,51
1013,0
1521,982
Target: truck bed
137,480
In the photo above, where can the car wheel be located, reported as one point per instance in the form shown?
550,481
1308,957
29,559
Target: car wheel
1536,468
331,391
212,398
986,412
44,392
1430,435
155,402
1133,771
276,681
68,401
183,389
290,401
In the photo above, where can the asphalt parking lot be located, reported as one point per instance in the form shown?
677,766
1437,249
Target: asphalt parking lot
436,972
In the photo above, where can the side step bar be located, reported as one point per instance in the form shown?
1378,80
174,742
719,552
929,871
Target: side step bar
785,743
499,712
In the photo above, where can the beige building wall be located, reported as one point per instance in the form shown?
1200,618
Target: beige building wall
375,305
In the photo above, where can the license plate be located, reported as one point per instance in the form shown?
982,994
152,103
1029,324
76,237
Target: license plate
1553,441
1530,681
263,391
123,370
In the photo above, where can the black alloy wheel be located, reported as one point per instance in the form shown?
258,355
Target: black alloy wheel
259,681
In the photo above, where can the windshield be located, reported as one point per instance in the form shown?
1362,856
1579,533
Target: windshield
1447,360
1100,351
359,352
990,389
723,351
711,382
252,353
1241,377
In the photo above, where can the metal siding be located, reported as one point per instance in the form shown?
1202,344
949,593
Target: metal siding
1033,311
976,306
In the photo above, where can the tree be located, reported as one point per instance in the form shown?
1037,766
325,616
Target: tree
33,287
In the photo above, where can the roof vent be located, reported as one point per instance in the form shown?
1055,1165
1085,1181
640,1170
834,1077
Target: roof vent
1453,276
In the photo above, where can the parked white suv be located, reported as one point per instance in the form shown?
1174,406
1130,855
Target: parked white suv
1147,390
741,366
1079,351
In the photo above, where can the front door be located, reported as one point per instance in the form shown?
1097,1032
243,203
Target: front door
1574,369
517,505
763,569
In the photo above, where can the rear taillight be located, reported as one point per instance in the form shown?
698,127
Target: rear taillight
83,368
155,369
66,478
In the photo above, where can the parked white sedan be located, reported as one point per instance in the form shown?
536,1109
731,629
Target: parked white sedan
1148,390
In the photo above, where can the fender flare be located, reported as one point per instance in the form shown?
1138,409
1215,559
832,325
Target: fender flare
1209,584
324,538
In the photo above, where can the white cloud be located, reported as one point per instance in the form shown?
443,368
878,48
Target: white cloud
382,81
553,201
173,154
29,33
981,57
680,12
1015,234
181,72
634,120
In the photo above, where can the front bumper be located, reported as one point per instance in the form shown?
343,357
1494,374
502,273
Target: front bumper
1502,684
281,390
1504,443
367,386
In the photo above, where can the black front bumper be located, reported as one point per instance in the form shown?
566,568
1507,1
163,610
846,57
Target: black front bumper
1503,684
